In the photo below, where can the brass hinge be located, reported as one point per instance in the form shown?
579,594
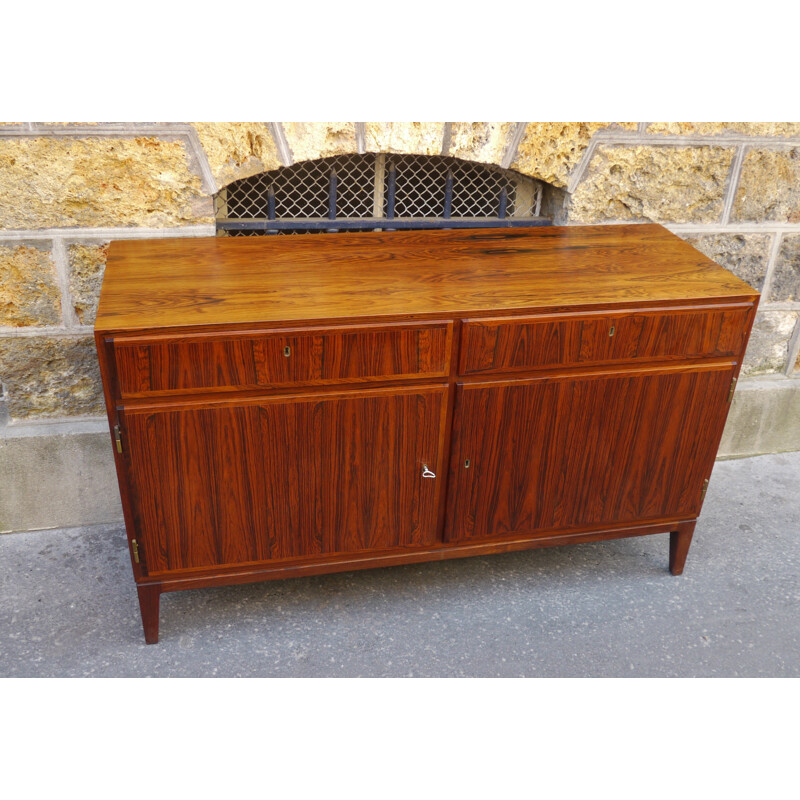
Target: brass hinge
730,393
705,489
118,438
135,548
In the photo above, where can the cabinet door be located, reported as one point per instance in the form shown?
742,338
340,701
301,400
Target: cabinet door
285,477
567,452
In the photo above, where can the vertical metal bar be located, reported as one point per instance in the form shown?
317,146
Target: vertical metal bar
503,203
332,200
271,205
448,195
332,196
390,199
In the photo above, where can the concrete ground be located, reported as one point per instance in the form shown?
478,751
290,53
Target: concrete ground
68,606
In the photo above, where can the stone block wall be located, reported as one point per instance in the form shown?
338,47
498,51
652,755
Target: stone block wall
732,189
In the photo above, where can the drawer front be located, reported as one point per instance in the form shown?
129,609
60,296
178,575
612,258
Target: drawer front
503,345
283,358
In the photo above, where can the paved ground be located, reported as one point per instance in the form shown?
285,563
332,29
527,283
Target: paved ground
68,606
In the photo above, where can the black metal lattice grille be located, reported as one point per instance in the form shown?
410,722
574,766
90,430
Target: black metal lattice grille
421,184
369,192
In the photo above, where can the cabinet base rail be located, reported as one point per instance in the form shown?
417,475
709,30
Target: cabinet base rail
150,590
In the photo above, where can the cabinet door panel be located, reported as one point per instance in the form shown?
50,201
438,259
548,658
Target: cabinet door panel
286,477
553,454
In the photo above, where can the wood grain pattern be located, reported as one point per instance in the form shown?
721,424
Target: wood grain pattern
228,281
161,365
491,346
286,477
590,450
149,601
578,339
679,542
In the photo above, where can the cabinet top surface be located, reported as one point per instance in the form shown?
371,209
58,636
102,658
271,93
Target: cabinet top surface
158,283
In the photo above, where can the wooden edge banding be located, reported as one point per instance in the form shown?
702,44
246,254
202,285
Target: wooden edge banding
308,329
179,332
609,311
301,396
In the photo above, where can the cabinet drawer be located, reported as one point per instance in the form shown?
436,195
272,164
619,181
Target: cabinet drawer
290,357
517,343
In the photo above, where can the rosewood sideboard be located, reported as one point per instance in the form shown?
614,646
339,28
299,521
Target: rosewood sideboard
295,405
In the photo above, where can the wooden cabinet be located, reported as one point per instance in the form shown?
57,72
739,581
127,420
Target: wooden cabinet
285,406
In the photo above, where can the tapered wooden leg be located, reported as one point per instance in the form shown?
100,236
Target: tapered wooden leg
148,603
679,542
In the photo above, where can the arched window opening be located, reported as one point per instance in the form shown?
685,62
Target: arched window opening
364,192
